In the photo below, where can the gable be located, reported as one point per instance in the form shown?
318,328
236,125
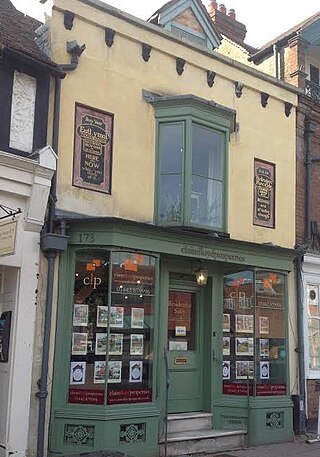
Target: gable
190,20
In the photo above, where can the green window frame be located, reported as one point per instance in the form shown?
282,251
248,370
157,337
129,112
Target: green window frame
255,334
200,131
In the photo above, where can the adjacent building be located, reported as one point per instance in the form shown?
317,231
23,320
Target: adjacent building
176,186
27,165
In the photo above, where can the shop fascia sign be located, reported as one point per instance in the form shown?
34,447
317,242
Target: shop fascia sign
8,238
212,254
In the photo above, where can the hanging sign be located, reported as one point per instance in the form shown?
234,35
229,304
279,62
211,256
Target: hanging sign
8,238
264,194
92,149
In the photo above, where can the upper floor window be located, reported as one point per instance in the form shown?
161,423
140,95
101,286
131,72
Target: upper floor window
314,74
193,137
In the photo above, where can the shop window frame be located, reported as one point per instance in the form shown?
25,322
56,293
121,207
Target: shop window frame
256,357
65,329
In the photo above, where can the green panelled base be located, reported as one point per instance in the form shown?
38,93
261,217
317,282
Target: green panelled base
270,418
137,437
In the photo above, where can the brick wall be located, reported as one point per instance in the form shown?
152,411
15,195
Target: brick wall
188,19
308,108
313,393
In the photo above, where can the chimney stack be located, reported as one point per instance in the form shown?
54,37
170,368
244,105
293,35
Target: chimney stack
232,14
225,23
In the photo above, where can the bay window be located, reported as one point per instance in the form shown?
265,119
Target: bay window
192,145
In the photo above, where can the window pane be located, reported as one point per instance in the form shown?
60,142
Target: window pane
181,321
89,333
131,329
206,202
206,153
271,353
171,148
314,74
238,333
314,344
313,301
170,198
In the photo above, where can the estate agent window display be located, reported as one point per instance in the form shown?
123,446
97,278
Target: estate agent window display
112,337
254,334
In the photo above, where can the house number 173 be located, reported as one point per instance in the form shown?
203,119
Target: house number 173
86,238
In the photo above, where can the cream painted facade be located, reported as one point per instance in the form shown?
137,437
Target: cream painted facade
112,80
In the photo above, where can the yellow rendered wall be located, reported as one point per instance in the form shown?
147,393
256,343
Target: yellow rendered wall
112,79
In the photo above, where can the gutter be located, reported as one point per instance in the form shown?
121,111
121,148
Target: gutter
259,56
6,52
52,244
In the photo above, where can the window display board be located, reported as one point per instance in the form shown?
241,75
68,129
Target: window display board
254,334
112,330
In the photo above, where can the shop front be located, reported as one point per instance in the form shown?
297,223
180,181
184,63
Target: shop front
140,305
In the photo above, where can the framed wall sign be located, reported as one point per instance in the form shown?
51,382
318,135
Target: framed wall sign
92,159
264,194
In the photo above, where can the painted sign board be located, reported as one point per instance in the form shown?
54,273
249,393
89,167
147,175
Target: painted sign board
92,149
8,238
264,194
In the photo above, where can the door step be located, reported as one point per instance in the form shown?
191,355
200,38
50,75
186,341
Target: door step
189,421
192,433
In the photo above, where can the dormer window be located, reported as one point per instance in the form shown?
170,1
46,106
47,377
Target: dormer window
189,20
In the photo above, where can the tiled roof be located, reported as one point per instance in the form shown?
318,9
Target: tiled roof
17,32
267,48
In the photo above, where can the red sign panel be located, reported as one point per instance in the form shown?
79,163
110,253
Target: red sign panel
180,308
86,396
117,397
262,390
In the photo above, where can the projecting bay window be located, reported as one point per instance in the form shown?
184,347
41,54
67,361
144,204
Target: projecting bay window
192,144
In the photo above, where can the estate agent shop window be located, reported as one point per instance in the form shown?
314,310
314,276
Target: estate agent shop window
111,355
254,334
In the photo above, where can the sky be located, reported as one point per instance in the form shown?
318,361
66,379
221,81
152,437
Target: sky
264,19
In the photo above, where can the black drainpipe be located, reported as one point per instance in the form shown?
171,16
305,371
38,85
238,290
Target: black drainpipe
51,245
310,128
300,348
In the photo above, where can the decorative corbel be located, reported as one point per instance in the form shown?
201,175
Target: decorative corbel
287,108
146,51
210,77
68,19
109,36
238,86
180,63
264,99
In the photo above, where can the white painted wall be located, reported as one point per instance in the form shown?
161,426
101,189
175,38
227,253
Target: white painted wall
24,183
22,112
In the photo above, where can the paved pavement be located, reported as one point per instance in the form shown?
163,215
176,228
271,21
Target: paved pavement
298,448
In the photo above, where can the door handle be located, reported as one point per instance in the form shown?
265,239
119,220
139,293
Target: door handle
213,355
